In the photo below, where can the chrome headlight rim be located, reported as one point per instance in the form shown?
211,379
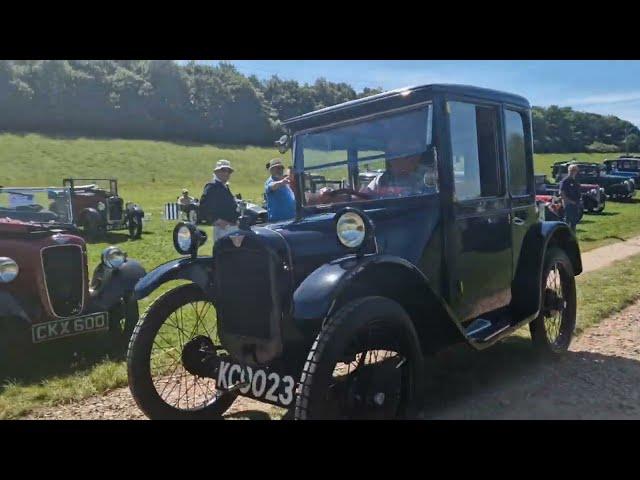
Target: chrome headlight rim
9,269
114,257
183,238
101,206
351,229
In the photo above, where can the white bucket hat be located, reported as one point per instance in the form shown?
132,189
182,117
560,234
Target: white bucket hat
222,164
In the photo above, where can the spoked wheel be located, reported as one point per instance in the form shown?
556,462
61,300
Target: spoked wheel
551,332
365,364
167,358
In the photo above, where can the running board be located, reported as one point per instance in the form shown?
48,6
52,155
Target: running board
482,330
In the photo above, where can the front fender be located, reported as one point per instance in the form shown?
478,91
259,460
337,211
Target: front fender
117,284
198,270
338,282
9,307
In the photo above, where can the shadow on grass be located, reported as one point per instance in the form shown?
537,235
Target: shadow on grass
60,358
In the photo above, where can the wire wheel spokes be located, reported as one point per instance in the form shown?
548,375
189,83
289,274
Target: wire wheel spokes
369,380
555,305
174,384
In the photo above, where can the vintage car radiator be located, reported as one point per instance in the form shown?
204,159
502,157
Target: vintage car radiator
64,278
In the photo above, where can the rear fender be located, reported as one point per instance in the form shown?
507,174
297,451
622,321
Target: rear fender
334,284
528,277
89,215
199,270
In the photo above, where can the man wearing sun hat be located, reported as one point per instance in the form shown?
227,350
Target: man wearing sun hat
218,205
281,202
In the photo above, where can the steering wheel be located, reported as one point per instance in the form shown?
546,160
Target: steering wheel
347,191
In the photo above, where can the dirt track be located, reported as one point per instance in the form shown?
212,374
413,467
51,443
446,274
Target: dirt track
598,379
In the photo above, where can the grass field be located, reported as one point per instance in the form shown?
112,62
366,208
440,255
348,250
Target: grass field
153,173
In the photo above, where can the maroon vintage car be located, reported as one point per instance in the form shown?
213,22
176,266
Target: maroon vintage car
45,289
98,208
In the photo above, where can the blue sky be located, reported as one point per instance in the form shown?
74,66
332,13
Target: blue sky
605,87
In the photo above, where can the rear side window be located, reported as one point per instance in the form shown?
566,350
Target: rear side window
474,147
516,153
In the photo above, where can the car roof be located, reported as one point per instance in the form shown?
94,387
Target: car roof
401,97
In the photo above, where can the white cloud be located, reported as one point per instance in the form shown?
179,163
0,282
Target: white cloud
605,99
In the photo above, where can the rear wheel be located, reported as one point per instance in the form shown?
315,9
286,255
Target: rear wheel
366,363
552,330
178,326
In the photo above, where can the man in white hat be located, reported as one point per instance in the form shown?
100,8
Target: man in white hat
281,201
218,205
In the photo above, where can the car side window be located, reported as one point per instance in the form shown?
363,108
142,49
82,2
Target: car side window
516,153
474,148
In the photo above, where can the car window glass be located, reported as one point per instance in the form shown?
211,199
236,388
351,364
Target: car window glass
516,153
474,150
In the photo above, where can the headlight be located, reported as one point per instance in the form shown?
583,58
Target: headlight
113,257
593,191
350,229
101,206
183,240
8,269
187,238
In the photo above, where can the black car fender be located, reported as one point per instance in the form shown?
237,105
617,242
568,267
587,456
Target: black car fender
528,275
10,307
117,284
198,270
334,284
135,209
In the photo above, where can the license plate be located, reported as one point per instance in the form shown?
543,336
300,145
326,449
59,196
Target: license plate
69,327
260,384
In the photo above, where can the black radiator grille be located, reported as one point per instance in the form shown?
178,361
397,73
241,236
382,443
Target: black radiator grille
115,208
243,294
64,275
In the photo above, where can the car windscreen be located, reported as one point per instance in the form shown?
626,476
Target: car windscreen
39,205
355,158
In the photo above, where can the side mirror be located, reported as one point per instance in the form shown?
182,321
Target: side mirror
282,144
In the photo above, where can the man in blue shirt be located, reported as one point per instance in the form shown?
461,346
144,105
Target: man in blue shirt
281,202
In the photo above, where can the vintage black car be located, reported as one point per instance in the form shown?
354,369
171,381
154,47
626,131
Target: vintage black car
332,314
98,208
46,292
626,166
617,187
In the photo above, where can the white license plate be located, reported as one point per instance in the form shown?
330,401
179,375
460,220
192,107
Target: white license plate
69,327
260,384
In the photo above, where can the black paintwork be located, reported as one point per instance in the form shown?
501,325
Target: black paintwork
446,262
625,167
613,184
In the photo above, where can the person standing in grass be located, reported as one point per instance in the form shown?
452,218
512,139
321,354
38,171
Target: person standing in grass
281,202
218,205
570,193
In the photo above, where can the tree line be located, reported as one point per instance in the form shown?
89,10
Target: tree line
161,100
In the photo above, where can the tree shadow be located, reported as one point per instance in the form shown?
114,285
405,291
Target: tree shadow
474,384
62,357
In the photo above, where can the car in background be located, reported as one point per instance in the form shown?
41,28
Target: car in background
97,208
625,165
593,196
45,290
617,187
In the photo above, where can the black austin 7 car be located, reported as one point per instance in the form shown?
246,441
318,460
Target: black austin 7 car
333,313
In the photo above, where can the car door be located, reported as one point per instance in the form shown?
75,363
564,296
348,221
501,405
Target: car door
482,256
519,156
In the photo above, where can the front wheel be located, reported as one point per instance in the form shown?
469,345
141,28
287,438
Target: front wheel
552,330
179,325
365,363
135,226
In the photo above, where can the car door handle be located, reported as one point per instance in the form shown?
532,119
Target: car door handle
518,221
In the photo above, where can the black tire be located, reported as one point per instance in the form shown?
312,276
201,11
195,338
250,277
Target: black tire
141,381
600,209
341,338
552,330
122,330
91,230
135,226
